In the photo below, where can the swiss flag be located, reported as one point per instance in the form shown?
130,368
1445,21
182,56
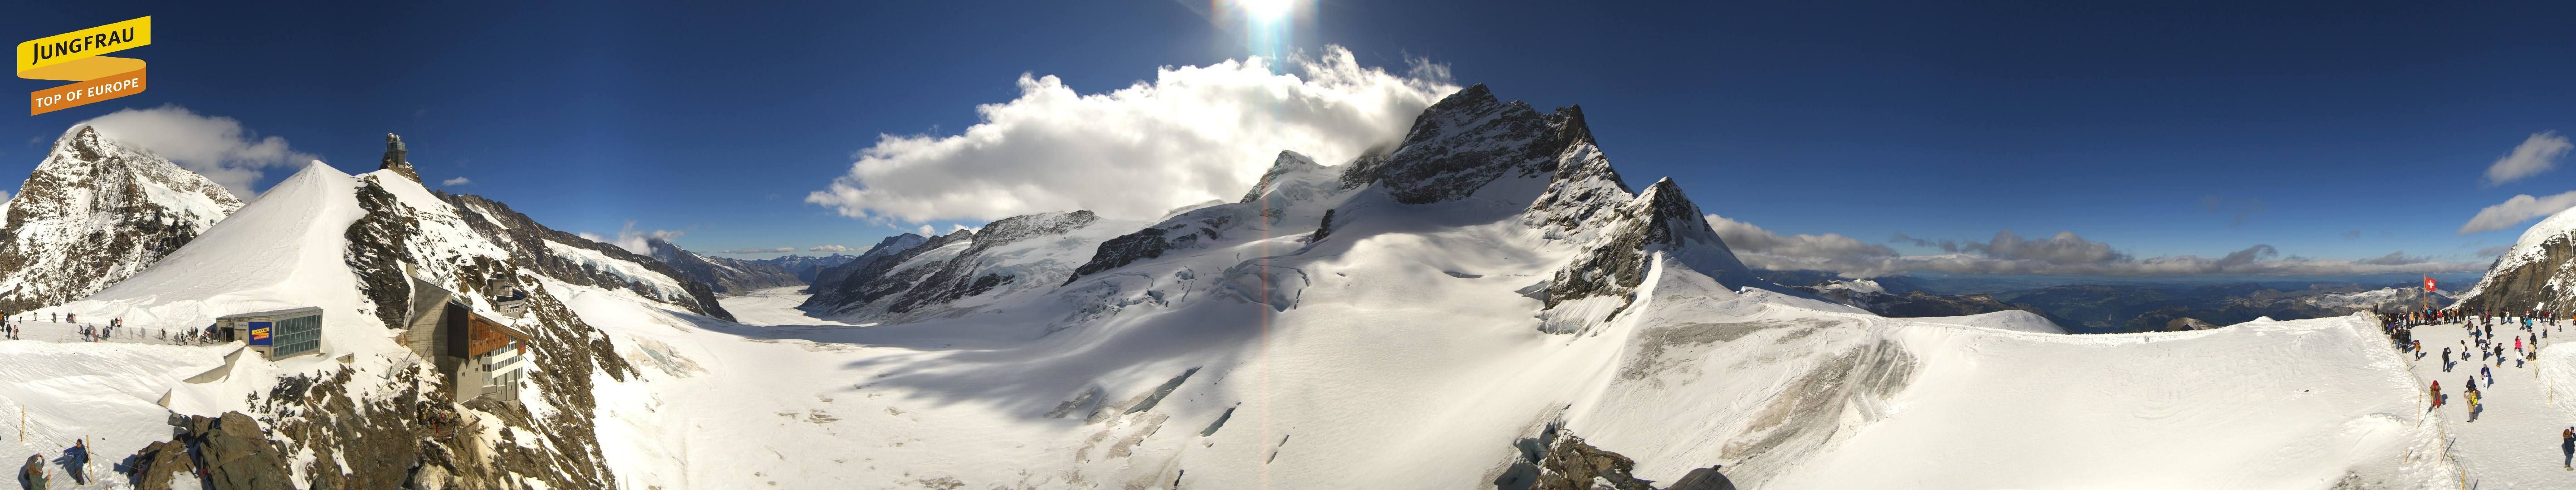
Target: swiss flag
2428,284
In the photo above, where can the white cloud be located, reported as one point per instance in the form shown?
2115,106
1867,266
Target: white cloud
829,249
927,231
2009,253
631,239
776,250
456,181
959,227
2536,154
1190,135
2516,210
214,146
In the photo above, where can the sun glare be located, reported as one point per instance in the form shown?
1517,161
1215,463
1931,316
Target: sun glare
1266,10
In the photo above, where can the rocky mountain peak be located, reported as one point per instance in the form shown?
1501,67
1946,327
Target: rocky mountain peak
95,212
397,158
1470,139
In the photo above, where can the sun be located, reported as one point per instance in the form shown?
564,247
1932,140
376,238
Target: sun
1266,10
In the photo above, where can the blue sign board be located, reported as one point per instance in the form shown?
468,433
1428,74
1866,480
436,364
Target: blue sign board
259,333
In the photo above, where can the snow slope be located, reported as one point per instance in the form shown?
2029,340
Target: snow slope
1416,318
1783,394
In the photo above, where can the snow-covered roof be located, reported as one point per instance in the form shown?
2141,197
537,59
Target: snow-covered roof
289,312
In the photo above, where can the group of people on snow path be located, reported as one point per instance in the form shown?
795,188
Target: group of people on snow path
75,462
12,328
2528,331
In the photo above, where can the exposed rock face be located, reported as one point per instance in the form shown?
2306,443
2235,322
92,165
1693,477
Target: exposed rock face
158,462
96,212
398,158
724,275
2537,273
237,454
377,245
565,256
886,285
404,431
1465,141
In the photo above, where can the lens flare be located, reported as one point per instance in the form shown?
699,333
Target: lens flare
1266,11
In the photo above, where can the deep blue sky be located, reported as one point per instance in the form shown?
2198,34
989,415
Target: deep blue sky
1864,119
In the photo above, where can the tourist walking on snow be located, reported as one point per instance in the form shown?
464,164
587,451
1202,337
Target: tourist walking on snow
2437,394
2567,445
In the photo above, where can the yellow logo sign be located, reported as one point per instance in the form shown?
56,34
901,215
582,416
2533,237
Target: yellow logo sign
74,56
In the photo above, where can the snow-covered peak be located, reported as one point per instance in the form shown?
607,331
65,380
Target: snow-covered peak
2538,272
96,211
1290,163
1464,142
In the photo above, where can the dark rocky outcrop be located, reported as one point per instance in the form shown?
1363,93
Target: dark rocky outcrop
1185,231
233,450
1465,141
376,249
1558,460
526,239
2526,280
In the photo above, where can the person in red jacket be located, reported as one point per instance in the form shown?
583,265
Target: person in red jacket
2437,394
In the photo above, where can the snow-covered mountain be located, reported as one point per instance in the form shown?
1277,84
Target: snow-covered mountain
357,415
95,212
807,267
2537,273
723,275
1470,157
1484,304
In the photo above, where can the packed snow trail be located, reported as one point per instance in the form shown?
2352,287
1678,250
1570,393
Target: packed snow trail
52,394
64,332
2514,442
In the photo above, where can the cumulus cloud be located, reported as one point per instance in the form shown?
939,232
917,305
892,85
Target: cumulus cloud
631,239
829,249
738,251
2538,153
2010,253
214,146
1746,238
2397,258
2514,211
1191,134
456,181
927,231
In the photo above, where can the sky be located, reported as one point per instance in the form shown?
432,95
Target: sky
2126,140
